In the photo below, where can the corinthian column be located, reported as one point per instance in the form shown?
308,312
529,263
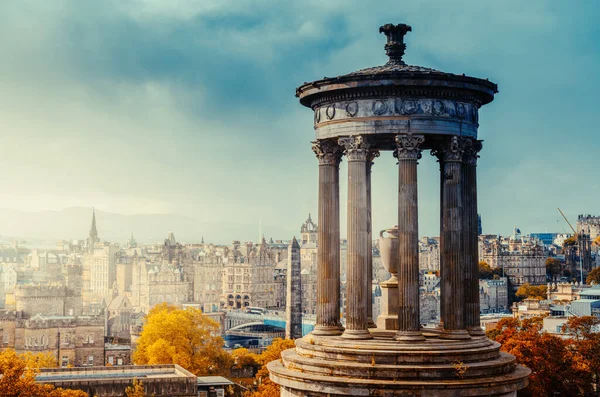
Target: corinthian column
373,154
452,266
357,151
329,154
408,152
471,238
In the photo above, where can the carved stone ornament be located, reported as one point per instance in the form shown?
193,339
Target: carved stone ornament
453,150
408,146
471,151
328,152
317,115
409,107
474,113
330,112
380,107
438,108
460,109
352,108
426,106
356,148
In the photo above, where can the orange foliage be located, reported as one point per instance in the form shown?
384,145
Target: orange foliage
556,368
18,379
267,387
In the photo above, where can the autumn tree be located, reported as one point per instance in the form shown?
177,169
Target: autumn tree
268,388
593,276
556,368
527,290
39,360
185,337
585,342
135,390
18,379
553,267
243,358
485,271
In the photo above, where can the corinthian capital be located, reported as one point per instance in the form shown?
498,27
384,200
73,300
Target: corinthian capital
408,146
471,151
328,152
450,150
356,148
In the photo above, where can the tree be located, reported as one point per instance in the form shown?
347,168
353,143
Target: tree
243,358
268,388
39,360
485,271
586,344
570,242
527,290
18,379
593,276
553,267
556,368
185,337
135,390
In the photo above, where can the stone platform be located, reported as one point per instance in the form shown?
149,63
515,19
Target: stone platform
334,366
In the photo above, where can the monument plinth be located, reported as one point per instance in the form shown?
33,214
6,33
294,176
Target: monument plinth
405,109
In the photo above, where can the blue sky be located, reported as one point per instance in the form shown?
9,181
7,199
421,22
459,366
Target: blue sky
188,107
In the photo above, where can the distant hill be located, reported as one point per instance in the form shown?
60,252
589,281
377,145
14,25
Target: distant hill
74,223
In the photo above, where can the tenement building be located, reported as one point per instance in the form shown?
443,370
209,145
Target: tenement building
522,259
405,110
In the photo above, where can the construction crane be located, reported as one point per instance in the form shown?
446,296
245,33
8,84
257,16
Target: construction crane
579,246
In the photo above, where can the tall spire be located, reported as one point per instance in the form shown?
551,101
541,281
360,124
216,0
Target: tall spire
93,239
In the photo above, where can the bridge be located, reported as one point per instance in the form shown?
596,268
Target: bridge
271,318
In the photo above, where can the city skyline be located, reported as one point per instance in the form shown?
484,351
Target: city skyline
129,109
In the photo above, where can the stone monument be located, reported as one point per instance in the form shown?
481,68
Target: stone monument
405,109
293,306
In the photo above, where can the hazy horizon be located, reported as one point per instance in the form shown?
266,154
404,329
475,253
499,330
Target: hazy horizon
150,107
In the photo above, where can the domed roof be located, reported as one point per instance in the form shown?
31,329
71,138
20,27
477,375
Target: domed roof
395,73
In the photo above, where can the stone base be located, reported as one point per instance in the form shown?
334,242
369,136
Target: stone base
388,319
333,366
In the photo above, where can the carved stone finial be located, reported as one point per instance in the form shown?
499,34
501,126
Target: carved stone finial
395,47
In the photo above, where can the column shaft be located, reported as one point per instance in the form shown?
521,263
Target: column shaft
452,269
472,307
409,324
328,250
369,275
356,149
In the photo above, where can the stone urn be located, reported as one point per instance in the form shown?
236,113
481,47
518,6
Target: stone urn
388,248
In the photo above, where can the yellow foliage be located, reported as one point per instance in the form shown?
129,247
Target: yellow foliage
18,378
39,360
136,390
243,358
532,291
185,337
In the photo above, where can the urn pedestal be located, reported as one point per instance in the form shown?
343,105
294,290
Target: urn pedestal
388,248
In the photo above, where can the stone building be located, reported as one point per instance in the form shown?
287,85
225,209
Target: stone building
522,259
76,341
118,317
248,277
208,273
48,299
590,225
429,254
493,295
99,271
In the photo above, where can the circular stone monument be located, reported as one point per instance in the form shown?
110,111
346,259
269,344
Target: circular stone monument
404,109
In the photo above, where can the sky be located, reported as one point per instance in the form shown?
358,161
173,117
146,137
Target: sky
188,107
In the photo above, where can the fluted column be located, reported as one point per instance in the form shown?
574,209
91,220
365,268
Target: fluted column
373,154
471,251
408,152
357,152
329,154
452,267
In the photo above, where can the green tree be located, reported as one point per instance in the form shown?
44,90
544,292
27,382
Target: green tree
553,267
185,337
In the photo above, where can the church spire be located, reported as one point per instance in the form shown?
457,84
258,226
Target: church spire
93,239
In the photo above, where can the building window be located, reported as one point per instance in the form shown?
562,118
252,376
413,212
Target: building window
90,360
111,360
65,361
119,361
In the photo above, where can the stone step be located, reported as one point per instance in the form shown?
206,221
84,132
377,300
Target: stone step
324,385
391,352
503,364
